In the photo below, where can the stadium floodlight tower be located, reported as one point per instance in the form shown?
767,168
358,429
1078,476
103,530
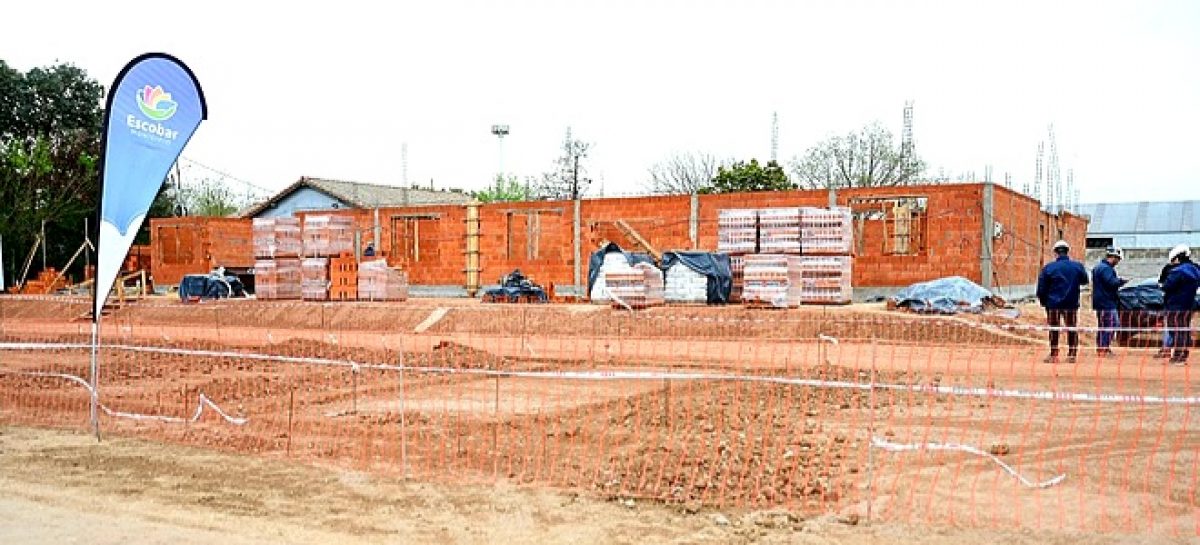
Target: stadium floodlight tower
500,131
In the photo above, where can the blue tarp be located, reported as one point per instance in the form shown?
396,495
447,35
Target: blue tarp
716,267
204,286
948,295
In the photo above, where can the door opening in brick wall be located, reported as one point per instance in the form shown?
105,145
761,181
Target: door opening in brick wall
177,244
414,238
523,234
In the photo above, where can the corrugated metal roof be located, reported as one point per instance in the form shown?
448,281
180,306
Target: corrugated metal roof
1142,217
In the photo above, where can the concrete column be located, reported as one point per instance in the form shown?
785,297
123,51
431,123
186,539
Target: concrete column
575,225
832,197
694,222
378,248
988,235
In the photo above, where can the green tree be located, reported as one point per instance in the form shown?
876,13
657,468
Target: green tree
741,176
507,189
210,198
867,157
49,149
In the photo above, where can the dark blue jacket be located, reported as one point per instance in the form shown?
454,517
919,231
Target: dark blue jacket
1179,291
1058,285
1105,284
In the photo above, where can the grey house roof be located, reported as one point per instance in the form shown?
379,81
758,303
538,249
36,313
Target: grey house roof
363,195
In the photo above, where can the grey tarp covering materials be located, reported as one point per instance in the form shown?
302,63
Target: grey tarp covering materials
597,260
714,266
1144,295
948,295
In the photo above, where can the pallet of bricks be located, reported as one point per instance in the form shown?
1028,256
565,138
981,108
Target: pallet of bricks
638,286
277,248
826,238
801,255
328,239
737,236
378,282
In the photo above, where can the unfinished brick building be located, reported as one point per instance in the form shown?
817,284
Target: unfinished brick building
984,232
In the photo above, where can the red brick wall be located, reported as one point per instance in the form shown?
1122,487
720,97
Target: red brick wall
952,229
194,245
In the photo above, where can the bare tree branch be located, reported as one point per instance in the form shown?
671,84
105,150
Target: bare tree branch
683,173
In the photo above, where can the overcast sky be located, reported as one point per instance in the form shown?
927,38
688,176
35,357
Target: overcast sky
335,88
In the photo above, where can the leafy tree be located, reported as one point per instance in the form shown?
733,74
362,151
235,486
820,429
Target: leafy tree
683,174
49,148
568,179
864,158
210,198
742,176
507,189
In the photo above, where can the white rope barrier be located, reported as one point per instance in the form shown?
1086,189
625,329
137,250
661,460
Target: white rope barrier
889,446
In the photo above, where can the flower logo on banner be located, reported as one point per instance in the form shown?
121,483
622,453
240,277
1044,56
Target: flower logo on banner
156,103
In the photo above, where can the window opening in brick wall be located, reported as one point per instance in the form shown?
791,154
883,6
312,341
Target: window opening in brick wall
903,219
526,224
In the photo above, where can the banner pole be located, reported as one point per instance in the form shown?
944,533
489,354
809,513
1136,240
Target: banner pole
95,404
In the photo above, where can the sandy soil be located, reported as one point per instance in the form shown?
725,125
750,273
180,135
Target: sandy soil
62,487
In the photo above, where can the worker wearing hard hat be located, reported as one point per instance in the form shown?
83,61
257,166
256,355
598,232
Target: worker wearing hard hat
1179,300
1106,282
1058,291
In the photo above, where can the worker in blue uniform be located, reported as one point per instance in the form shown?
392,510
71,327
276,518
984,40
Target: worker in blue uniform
1058,292
1105,283
1179,300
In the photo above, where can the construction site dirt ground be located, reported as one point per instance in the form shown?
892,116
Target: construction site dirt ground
547,403
63,487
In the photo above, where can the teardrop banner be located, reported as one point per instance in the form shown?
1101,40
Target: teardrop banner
153,109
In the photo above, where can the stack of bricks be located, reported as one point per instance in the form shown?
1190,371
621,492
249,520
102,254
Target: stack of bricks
328,235
314,279
638,286
737,235
779,230
826,270
771,280
277,278
343,278
277,247
825,280
378,282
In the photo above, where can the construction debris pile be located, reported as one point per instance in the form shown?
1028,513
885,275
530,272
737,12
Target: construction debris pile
786,257
314,260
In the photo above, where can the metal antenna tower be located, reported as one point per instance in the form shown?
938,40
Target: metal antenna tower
1008,180
906,139
774,136
1037,177
1054,175
404,164
1072,200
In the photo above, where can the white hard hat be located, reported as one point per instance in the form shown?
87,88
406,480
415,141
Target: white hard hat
1061,245
1180,250
1116,252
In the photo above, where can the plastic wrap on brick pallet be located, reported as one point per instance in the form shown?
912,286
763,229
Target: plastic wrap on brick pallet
639,285
737,230
276,237
767,280
613,262
825,279
826,231
277,278
378,282
779,230
328,235
683,285
314,283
